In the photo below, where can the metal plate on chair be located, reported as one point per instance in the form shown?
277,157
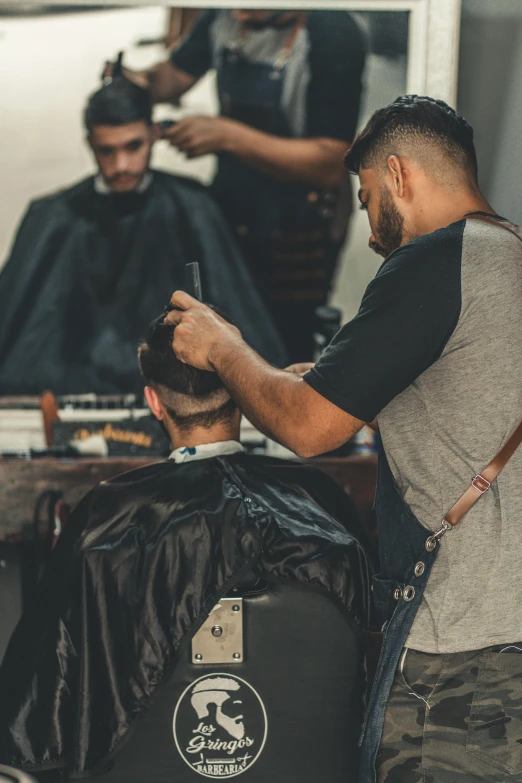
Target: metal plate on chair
220,638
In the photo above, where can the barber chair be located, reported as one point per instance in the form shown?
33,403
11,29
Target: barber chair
11,591
271,688
10,775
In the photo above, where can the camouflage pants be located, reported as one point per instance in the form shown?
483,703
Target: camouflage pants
454,718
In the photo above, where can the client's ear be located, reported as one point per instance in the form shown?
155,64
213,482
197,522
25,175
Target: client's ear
154,403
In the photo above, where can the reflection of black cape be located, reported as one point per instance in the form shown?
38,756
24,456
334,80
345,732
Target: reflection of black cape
143,560
89,271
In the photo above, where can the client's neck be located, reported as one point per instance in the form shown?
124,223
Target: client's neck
197,436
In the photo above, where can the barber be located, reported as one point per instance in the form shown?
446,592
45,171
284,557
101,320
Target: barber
435,355
289,86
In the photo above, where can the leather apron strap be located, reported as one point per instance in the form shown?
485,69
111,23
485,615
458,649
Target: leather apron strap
482,482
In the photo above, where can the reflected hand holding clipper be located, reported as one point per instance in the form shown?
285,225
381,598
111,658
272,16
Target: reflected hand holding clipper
163,126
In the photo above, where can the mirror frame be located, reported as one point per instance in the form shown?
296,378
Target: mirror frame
433,38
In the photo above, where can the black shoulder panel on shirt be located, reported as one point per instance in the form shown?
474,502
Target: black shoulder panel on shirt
193,55
337,56
323,26
407,315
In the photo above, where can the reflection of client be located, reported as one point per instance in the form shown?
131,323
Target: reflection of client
109,248
216,690
142,560
289,87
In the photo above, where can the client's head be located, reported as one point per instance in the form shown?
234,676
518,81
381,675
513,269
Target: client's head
193,404
118,120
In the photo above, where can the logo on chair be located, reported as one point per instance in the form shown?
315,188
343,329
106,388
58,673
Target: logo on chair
220,726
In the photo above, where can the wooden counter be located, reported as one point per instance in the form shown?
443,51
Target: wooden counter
22,483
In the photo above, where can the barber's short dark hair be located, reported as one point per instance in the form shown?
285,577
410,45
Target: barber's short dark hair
162,370
118,103
414,118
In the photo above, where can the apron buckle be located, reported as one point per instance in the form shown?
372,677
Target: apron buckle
432,541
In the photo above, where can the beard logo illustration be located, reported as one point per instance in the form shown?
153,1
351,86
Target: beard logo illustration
220,726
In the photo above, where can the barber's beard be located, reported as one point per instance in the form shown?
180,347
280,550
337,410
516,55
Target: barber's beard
276,20
389,232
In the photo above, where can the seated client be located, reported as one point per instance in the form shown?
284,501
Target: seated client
143,561
109,247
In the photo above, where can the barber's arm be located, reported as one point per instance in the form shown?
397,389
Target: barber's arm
407,315
165,82
279,403
169,80
317,161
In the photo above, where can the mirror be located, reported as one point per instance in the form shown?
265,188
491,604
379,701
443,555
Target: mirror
54,55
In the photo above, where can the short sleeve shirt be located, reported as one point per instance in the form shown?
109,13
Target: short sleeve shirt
323,77
406,317
435,352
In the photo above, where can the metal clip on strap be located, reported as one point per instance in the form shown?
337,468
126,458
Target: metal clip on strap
431,542
479,485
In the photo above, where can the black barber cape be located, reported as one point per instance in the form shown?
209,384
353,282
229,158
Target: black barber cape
141,563
89,271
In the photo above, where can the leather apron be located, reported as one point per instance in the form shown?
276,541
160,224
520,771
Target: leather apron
406,555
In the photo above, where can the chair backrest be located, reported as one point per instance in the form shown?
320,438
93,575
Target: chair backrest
290,710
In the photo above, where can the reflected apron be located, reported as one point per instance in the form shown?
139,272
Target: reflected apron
285,230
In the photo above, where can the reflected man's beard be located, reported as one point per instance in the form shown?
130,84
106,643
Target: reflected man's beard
274,20
390,226
116,179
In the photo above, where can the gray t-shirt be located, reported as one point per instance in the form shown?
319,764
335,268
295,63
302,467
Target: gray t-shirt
436,353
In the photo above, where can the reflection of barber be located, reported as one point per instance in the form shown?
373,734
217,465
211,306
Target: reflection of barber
289,88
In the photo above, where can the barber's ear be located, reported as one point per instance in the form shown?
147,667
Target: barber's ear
154,403
396,173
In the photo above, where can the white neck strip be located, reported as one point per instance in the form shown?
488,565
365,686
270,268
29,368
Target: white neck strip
221,448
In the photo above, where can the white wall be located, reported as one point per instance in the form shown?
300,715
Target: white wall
53,63
490,96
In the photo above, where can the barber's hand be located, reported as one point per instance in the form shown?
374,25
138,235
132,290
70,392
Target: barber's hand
141,78
301,368
199,331
197,136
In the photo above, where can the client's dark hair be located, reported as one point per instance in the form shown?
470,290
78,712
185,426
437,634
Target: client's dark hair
192,397
118,103
413,120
